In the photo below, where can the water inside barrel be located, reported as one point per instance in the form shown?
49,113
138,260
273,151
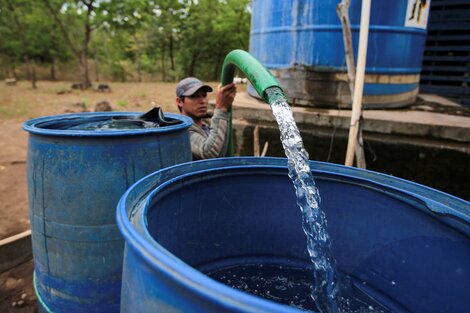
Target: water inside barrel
154,118
292,286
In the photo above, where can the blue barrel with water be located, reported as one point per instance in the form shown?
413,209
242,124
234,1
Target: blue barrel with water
301,41
75,180
403,247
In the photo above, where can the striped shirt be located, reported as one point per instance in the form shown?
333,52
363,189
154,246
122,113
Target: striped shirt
210,142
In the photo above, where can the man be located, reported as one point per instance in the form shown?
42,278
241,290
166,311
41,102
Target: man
206,142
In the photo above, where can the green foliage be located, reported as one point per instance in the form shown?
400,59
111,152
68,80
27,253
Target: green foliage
38,29
213,28
122,103
168,39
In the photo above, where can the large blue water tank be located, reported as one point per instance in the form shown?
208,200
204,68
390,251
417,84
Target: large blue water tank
301,41
405,245
75,180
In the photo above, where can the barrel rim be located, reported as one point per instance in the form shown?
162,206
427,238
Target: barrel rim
33,125
156,255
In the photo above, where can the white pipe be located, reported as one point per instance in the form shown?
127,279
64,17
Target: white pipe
359,84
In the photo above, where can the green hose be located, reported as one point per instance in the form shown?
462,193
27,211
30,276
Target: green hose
257,74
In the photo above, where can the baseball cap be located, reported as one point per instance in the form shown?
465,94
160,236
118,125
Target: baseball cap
189,86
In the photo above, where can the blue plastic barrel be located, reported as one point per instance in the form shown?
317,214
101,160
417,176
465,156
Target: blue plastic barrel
404,244
75,180
301,41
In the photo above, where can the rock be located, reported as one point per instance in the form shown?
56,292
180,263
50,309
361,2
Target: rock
10,81
103,88
79,86
63,91
12,283
103,106
77,107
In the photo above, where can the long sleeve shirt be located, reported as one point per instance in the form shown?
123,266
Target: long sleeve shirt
210,142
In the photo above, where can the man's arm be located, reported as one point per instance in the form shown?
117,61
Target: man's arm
214,145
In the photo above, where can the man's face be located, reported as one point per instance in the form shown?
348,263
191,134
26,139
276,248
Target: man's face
195,106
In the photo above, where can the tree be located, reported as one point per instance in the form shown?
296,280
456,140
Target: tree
211,29
166,21
88,14
176,37
28,33
130,17
21,32
232,29
10,47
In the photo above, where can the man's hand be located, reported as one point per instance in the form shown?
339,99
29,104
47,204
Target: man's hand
225,96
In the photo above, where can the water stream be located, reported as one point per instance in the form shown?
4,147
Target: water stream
325,289
330,291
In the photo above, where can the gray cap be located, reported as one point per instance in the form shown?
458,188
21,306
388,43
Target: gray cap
189,86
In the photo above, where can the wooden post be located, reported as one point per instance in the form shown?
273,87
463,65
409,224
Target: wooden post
256,141
15,250
359,83
265,149
343,13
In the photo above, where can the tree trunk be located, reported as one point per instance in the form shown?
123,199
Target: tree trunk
97,72
163,63
86,40
13,72
172,58
84,70
139,59
53,76
192,66
123,73
33,73
139,70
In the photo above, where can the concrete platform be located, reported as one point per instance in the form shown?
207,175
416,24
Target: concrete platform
428,142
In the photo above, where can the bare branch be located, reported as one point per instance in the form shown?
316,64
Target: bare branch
62,28
88,4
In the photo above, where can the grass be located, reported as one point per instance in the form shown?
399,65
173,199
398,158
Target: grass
22,102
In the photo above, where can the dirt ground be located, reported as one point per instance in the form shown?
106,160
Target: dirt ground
20,103
17,291
13,187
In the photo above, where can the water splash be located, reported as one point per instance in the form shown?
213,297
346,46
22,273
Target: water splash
325,289
291,285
